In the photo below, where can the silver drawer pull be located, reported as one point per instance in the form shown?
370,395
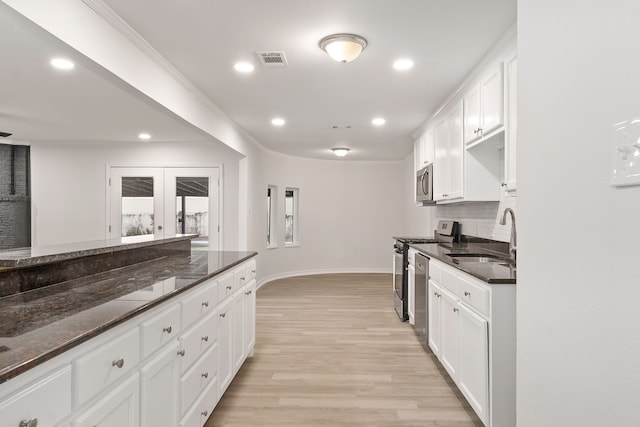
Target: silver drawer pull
455,310
248,293
253,272
205,303
223,314
167,330
229,287
205,338
242,278
119,363
205,375
204,413
33,422
181,353
467,293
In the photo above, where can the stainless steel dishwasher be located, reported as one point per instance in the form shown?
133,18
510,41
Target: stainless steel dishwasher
421,327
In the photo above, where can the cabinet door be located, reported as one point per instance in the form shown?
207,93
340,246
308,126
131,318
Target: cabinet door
239,320
250,319
159,389
225,346
441,162
455,153
472,114
511,125
435,303
473,362
449,337
119,408
411,305
492,100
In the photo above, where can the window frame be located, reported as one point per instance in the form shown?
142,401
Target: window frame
295,220
272,216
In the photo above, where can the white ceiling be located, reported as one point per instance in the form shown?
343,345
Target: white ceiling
204,38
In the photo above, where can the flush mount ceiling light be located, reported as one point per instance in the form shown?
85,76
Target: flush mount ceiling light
144,136
340,152
378,121
403,64
62,64
243,67
277,121
343,47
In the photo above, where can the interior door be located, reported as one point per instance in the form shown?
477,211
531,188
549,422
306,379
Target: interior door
136,202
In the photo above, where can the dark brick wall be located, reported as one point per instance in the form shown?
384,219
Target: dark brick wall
15,210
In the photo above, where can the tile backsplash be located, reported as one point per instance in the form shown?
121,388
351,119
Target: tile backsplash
480,219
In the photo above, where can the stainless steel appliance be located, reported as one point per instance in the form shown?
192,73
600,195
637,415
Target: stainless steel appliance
401,271
424,185
421,302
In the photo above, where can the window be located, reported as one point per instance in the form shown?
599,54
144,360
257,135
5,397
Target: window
291,217
272,198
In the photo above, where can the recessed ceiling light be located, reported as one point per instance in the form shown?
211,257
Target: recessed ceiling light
62,64
144,136
378,121
243,67
403,64
277,121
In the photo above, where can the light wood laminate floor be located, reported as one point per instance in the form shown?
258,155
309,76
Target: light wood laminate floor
330,351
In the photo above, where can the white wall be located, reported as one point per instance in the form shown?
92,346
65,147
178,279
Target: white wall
578,287
68,184
348,213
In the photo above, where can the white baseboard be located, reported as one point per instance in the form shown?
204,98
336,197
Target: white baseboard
271,278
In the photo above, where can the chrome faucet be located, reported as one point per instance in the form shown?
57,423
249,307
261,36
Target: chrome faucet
512,239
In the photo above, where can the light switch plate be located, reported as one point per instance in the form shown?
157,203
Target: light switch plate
625,165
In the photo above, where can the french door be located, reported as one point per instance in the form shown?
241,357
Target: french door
165,201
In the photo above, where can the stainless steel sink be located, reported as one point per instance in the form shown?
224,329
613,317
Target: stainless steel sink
480,258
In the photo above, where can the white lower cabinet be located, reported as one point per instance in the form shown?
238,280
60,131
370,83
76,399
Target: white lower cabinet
118,408
472,333
158,394
45,402
166,367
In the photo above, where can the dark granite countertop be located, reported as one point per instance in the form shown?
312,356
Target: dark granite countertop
492,273
39,324
23,257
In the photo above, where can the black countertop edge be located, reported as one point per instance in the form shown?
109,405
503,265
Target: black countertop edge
439,252
13,371
23,257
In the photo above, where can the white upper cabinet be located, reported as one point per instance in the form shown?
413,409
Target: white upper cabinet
511,67
448,166
423,150
484,106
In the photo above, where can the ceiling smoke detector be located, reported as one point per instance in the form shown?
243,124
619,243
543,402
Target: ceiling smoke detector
273,59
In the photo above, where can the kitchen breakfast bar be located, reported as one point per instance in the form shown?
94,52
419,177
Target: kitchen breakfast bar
96,331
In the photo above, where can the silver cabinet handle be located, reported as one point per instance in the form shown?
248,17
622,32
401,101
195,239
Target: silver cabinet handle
33,422
205,303
181,353
223,314
229,287
119,363
455,310
167,330
204,413
242,278
159,227
467,293
205,338
248,293
253,272
205,375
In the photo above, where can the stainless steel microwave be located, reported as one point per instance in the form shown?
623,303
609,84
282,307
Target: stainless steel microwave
424,185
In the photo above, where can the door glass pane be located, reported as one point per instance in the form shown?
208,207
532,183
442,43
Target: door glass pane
137,206
289,217
192,207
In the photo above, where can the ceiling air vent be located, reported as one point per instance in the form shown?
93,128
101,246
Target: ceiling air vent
273,59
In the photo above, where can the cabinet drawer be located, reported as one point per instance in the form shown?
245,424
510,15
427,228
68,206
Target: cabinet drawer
251,269
435,271
198,377
474,295
199,303
48,401
119,407
225,286
106,364
198,339
449,279
160,330
239,277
